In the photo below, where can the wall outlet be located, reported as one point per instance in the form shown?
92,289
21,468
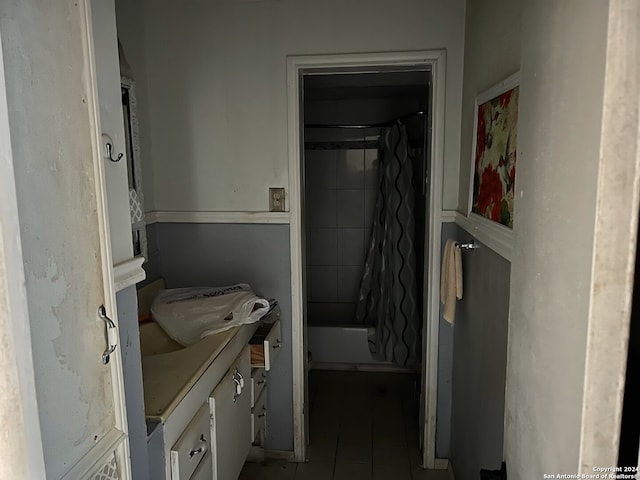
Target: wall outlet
276,199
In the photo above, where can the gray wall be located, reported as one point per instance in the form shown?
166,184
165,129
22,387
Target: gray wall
480,362
225,254
480,345
445,369
152,265
132,367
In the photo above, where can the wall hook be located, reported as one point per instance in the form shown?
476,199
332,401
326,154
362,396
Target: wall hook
467,246
109,148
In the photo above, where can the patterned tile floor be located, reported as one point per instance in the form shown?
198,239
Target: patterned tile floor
363,426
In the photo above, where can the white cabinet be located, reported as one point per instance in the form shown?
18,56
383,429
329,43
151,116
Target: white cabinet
54,161
204,470
258,382
217,373
230,408
266,345
258,417
105,41
193,446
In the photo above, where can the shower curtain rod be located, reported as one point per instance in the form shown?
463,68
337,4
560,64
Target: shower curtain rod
373,125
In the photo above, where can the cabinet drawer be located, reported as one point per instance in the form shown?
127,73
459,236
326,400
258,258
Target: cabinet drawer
204,470
230,406
258,381
192,446
266,345
259,415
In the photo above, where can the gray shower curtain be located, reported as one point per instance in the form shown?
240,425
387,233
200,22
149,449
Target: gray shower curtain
388,290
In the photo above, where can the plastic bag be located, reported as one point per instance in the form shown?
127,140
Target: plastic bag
189,314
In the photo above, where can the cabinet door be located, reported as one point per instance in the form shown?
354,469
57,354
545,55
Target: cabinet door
105,41
54,125
230,407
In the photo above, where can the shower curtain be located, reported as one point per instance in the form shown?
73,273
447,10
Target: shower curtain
388,290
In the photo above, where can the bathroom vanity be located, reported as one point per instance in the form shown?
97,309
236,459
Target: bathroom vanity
205,404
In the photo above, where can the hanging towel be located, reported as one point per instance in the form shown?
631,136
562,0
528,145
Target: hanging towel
451,279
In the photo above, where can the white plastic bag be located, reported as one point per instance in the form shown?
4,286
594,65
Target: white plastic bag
189,314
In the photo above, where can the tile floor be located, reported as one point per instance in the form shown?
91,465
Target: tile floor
363,426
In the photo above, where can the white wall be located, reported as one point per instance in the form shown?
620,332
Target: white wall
217,86
491,55
340,189
561,98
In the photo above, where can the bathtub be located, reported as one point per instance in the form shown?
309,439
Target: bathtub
343,347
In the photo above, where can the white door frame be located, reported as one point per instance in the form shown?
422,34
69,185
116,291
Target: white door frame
297,66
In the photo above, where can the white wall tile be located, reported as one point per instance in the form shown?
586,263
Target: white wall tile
350,168
323,246
350,244
349,283
350,206
341,194
323,209
323,283
320,169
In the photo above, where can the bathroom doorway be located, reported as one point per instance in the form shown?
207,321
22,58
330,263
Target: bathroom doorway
340,109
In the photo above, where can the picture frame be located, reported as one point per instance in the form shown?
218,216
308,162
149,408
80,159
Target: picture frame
493,163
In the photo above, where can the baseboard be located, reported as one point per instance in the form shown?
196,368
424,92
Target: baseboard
450,471
441,464
366,367
285,455
256,454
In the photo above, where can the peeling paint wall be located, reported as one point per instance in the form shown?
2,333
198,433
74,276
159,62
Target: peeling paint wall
20,454
51,138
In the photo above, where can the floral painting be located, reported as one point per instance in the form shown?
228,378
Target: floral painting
495,158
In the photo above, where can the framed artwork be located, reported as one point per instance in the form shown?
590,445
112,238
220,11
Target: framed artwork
493,168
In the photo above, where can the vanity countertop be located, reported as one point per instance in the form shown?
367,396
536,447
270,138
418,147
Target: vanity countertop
168,377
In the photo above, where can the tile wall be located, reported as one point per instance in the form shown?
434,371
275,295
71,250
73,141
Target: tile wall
341,188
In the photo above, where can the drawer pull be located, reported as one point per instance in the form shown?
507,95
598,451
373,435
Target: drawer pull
202,448
240,377
196,451
238,389
277,345
260,382
262,415
112,334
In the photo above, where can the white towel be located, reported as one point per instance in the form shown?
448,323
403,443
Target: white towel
451,279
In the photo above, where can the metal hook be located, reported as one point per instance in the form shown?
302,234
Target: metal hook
109,148
467,246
